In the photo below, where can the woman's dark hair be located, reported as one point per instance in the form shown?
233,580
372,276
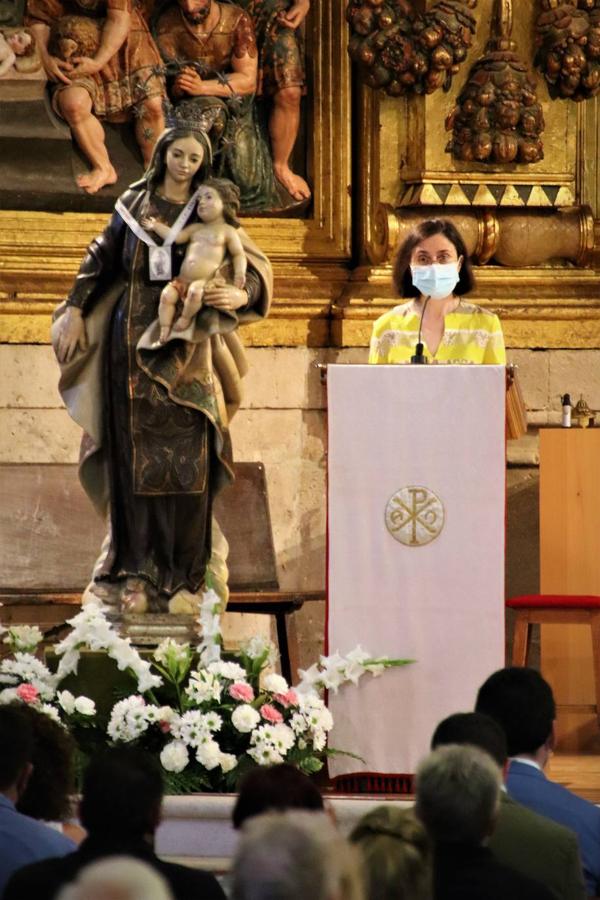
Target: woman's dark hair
278,788
52,781
401,276
155,172
230,195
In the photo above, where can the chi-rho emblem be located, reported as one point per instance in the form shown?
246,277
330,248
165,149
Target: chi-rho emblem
414,515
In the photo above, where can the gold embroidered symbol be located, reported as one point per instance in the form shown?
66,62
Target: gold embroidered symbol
414,515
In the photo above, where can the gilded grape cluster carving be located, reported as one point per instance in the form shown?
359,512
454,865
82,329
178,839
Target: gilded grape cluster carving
497,118
402,51
568,40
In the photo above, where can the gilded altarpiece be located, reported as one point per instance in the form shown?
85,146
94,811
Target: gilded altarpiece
531,229
378,164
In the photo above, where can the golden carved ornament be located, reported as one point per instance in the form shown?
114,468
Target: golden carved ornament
497,118
510,238
402,51
568,39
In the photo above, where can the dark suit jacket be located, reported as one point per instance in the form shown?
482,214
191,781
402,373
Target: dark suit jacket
530,787
473,873
539,848
43,880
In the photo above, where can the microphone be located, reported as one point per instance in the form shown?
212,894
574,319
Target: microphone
418,359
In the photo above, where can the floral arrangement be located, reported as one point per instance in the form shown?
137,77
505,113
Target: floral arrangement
208,716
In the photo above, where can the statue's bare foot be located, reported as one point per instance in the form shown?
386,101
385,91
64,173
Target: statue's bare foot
182,323
134,599
294,184
92,181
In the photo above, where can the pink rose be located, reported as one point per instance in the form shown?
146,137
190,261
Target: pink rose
28,693
241,691
271,714
290,698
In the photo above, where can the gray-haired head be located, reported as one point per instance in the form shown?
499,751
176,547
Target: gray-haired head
117,878
457,794
294,855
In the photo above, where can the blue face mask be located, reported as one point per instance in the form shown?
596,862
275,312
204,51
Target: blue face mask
436,281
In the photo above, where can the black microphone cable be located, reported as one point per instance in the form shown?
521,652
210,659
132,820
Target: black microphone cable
418,359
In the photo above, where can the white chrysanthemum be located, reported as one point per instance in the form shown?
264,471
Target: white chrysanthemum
50,711
229,670
67,701
298,723
244,718
316,713
227,761
128,719
283,738
274,683
208,754
84,706
204,686
265,754
25,667
191,728
213,721
174,757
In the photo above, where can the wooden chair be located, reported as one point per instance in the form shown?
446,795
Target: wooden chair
555,609
51,537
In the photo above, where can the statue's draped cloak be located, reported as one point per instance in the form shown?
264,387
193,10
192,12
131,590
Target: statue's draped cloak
156,445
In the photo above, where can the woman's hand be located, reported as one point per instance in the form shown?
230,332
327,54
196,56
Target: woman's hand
295,15
84,65
71,334
225,297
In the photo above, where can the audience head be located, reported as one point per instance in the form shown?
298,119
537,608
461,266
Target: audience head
475,729
521,701
122,794
117,878
294,855
396,852
277,787
16,750
49,789
457,794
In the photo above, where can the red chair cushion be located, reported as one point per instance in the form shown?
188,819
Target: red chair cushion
554,601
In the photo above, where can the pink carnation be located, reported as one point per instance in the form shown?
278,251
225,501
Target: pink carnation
28,693
164,726
241,691
271,714
290,698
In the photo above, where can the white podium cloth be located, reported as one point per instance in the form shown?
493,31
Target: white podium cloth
441,603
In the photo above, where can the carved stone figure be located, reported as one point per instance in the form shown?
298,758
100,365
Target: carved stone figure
18,51
568,39
211,49
281,79
402,51
497,118
156,445
106,70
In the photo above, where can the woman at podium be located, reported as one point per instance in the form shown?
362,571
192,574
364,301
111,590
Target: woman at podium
436,324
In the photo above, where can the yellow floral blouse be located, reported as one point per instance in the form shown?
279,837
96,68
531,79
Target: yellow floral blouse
472,336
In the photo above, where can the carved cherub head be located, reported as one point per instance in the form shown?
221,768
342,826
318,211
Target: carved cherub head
75,36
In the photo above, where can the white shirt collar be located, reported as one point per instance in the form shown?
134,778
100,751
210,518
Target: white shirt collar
526,762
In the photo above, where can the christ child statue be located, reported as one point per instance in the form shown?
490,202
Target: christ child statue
210,241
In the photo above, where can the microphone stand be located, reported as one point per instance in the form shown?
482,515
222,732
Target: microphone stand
418,359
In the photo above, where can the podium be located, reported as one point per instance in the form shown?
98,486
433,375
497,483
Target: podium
416,512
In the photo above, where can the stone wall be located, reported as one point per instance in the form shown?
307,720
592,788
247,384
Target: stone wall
282,424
